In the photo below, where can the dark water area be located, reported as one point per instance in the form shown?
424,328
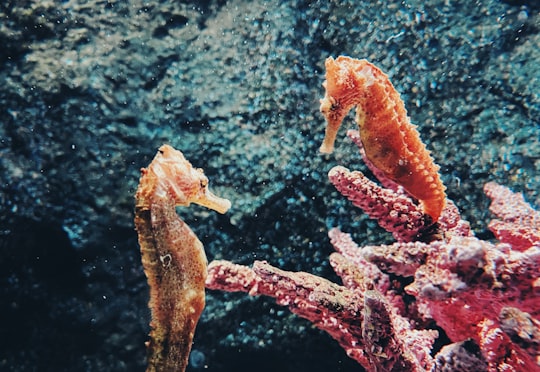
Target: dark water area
90,89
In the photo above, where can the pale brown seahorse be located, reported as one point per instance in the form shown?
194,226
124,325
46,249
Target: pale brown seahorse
172,256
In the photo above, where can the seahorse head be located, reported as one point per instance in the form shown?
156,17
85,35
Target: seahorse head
179,180
345,78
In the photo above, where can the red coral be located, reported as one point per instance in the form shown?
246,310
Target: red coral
364,322
465,284
520,223
394,211
473,289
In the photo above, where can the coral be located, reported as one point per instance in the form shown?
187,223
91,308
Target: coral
394,211
173,257
519,224
472,289
364,322
391,143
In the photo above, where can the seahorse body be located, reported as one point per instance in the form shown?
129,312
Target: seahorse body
390,141
173,257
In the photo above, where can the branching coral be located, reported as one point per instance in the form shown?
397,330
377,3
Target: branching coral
473,290
359,315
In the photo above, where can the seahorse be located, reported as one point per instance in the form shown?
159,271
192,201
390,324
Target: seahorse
173,257
390,141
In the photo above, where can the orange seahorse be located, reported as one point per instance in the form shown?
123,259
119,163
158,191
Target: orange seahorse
173,257
390,141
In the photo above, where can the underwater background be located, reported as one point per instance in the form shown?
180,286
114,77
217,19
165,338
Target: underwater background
91,89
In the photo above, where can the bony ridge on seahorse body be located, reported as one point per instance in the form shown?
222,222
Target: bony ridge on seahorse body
390,141
173,257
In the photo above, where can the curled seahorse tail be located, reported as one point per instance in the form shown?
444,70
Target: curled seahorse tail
434,207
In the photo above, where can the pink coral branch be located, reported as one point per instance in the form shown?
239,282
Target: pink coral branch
519,224
348,250
361,275
466,282
333,308
363,323
393,208
394,212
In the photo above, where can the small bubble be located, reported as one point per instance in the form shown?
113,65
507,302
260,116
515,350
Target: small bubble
196,358
523,16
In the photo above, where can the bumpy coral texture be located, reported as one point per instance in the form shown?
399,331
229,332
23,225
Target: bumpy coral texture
482,293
